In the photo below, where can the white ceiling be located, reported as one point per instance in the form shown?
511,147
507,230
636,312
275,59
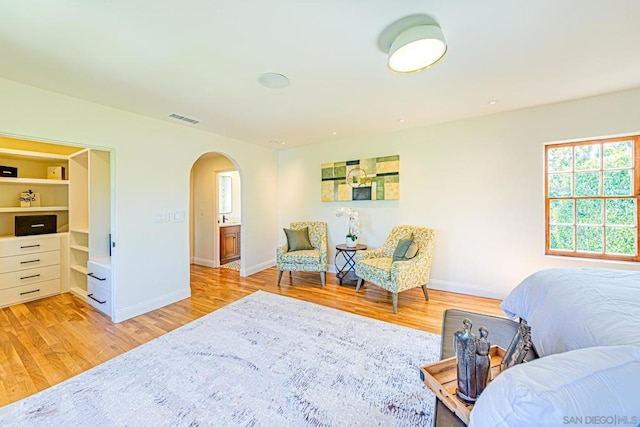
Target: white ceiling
202,58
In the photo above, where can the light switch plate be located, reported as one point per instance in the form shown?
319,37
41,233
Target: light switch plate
178,216
162,216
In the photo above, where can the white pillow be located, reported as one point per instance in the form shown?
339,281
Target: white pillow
580,387
572,308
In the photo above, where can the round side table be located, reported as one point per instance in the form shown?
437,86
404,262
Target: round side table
346,273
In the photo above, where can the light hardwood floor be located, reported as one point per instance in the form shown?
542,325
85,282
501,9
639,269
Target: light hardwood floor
48,341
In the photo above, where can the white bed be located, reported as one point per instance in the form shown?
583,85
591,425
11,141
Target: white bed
585,324
571,308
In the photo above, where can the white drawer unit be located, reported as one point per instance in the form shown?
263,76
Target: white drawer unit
99,286
99,297
29,292
99,272
29,276
11,246
23,262
29,268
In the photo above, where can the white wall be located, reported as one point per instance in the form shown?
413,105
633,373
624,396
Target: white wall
153,161
477,182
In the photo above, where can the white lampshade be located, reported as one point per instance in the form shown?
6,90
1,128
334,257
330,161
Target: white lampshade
416,48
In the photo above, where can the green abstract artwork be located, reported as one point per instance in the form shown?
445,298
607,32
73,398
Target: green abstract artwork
377,178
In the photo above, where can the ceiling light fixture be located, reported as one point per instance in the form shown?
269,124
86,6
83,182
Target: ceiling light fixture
416,49
273,80
492,102
413,43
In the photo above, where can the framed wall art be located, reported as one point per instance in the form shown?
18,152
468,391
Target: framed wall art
376,178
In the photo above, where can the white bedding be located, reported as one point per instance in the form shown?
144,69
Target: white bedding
595,385
571,308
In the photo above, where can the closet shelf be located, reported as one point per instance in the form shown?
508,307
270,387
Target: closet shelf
34,209
79,269
35,181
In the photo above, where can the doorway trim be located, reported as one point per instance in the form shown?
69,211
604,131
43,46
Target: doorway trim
212,259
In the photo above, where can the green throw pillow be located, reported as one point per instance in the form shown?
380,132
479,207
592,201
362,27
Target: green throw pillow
405,250
401,249
298,240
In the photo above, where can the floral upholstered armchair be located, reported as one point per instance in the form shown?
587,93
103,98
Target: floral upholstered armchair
299,254
378,266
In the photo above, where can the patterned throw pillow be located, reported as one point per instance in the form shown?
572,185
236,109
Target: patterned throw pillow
406,249
298,240
412,251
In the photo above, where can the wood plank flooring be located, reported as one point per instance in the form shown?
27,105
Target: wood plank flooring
50,340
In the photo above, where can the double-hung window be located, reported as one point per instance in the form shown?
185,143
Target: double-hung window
592,196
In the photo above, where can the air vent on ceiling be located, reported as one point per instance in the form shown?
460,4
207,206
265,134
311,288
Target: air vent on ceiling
184,119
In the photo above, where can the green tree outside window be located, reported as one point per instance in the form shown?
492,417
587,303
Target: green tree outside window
592,198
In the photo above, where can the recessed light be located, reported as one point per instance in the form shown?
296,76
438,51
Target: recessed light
492,102
400,120
274,142
334,133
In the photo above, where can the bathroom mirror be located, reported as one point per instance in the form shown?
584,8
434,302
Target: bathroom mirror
224,194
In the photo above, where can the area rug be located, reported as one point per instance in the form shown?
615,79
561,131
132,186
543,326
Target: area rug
233,265
264,360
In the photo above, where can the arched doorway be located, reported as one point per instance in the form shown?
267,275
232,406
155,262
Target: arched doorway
216,204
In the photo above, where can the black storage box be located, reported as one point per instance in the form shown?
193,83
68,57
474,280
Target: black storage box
36,224
8,172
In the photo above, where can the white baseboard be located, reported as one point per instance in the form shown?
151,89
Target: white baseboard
147,306
465,288
248,271
204,262
441,285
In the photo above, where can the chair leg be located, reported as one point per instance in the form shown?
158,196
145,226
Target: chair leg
360,281
394,297
424,291
322,278
279,276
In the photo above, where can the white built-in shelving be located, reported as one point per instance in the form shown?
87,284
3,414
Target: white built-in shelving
38,181
45,273
35,209
32,175
89,217
81,203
